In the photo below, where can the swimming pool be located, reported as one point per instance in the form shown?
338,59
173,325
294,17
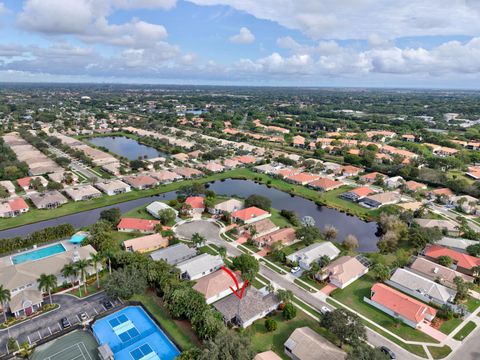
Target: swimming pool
77,238
38,254
133,335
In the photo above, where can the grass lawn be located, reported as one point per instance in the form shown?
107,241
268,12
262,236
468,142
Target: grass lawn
120,237
278,219
208,250
303,286
262,340
180,331
139,213
332,198
274,268
251,247
472,304
352,296
465,331
448,326
439,352
312,282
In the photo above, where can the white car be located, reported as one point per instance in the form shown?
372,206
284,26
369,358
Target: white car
295,269
324,310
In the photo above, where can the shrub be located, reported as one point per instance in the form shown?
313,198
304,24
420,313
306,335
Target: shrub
270,325
289,311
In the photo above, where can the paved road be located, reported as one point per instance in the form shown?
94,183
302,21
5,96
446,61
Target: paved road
452,216
48,324
470,349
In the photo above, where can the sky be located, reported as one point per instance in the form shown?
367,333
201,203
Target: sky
324,43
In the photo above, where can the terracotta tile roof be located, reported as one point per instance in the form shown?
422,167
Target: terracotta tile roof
17,204
137,224
442,191
267,355
345,268
302,178
326,183
372,176
196,202
146,242
246,159
216,283
362,191
402,304
284,235
249,213
24,182
414,186
349,169
463,260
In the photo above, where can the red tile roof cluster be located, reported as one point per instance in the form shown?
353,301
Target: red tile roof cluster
404,305
24,182
249,213
196,202
442,191
372,176
137,224
246,159
463,260
362,191
18,204
302,178
414,186
349,169
326,183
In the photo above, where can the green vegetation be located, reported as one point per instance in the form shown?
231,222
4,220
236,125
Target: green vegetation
465,331
352,296
439,352
303,285
448,326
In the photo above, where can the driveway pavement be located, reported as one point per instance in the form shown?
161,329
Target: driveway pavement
48,324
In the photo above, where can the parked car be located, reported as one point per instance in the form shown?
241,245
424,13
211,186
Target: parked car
83,316
324,310
388,352
108,304
65,323
295,269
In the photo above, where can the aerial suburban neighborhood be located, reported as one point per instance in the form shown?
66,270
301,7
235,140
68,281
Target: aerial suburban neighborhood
238,180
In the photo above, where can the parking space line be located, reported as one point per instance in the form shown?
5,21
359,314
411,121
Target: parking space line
96,312
40,336
49,330
28,337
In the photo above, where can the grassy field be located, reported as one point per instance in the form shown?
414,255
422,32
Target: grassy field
465,331
332,198
179,331
35,215
352,296
439,352
448,326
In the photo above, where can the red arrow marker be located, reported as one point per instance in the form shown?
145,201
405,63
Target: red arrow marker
238,291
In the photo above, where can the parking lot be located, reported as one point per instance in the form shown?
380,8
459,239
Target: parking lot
48,324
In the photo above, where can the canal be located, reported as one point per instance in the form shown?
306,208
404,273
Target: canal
344,223
126,147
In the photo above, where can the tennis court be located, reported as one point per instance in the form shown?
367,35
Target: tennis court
78,345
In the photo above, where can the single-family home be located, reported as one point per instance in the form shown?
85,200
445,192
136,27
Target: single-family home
187,172
343,271
378,200
174,254
400,306
259,228
466,203
246,159
254,305
332,168
370,178
302,178
229,206
421,287
217,285
267,355
325,184
141,182
394,182
456,243
24,183
357,193
134,224
199,266
214,167
13,207
445,225
284,236
231,163
415,186
443,194
180,157
165,176
82,193
250,215
298,141
146,243
349,170
461,262
306,344
306,256
48,200
113,187
9,186
155,207
436,272
408,137
194,205
268,169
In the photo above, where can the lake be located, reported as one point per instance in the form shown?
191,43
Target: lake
126,147
344,223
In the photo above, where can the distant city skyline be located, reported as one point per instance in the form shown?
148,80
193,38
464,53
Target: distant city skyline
312,43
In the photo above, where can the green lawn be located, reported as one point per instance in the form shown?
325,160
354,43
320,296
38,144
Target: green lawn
120,237
274,268
208,250
316,284
180,331
139,213
303,286
448,326
278,219
332,198
465,331
472,304
352,296
439,352
263,340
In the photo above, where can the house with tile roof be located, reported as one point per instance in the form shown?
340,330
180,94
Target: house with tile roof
227,206
113,187
370,178
378,200
267,355
421,287
445,225
302,178
357,193
298,141
415,186
24,183
48,200
306,344
438,273
325,184
187,172
306,256
9,186
141,182
461,262
259,228
13,207
146,243
134,224
400,306
199,266
284,236
194,205
82,193
165,176
349,170
250,215
174,254
343,271
216,285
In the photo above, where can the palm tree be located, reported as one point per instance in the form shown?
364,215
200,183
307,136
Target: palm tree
68,271
97,259
107,256
4,298
81,266
47,283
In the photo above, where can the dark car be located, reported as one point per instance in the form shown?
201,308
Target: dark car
388,352
65,323
108,304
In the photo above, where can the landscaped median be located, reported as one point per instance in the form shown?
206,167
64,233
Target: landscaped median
465,331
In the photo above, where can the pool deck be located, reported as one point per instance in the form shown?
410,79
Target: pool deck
7,260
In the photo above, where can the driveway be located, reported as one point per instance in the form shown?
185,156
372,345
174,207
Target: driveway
45,325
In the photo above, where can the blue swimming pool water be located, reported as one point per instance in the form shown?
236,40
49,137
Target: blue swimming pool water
133,335
38,254
77,238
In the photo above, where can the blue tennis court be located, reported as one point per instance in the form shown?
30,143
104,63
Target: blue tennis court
133,335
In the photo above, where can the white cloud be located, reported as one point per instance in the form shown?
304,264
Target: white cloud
3,8
359,19
245,36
